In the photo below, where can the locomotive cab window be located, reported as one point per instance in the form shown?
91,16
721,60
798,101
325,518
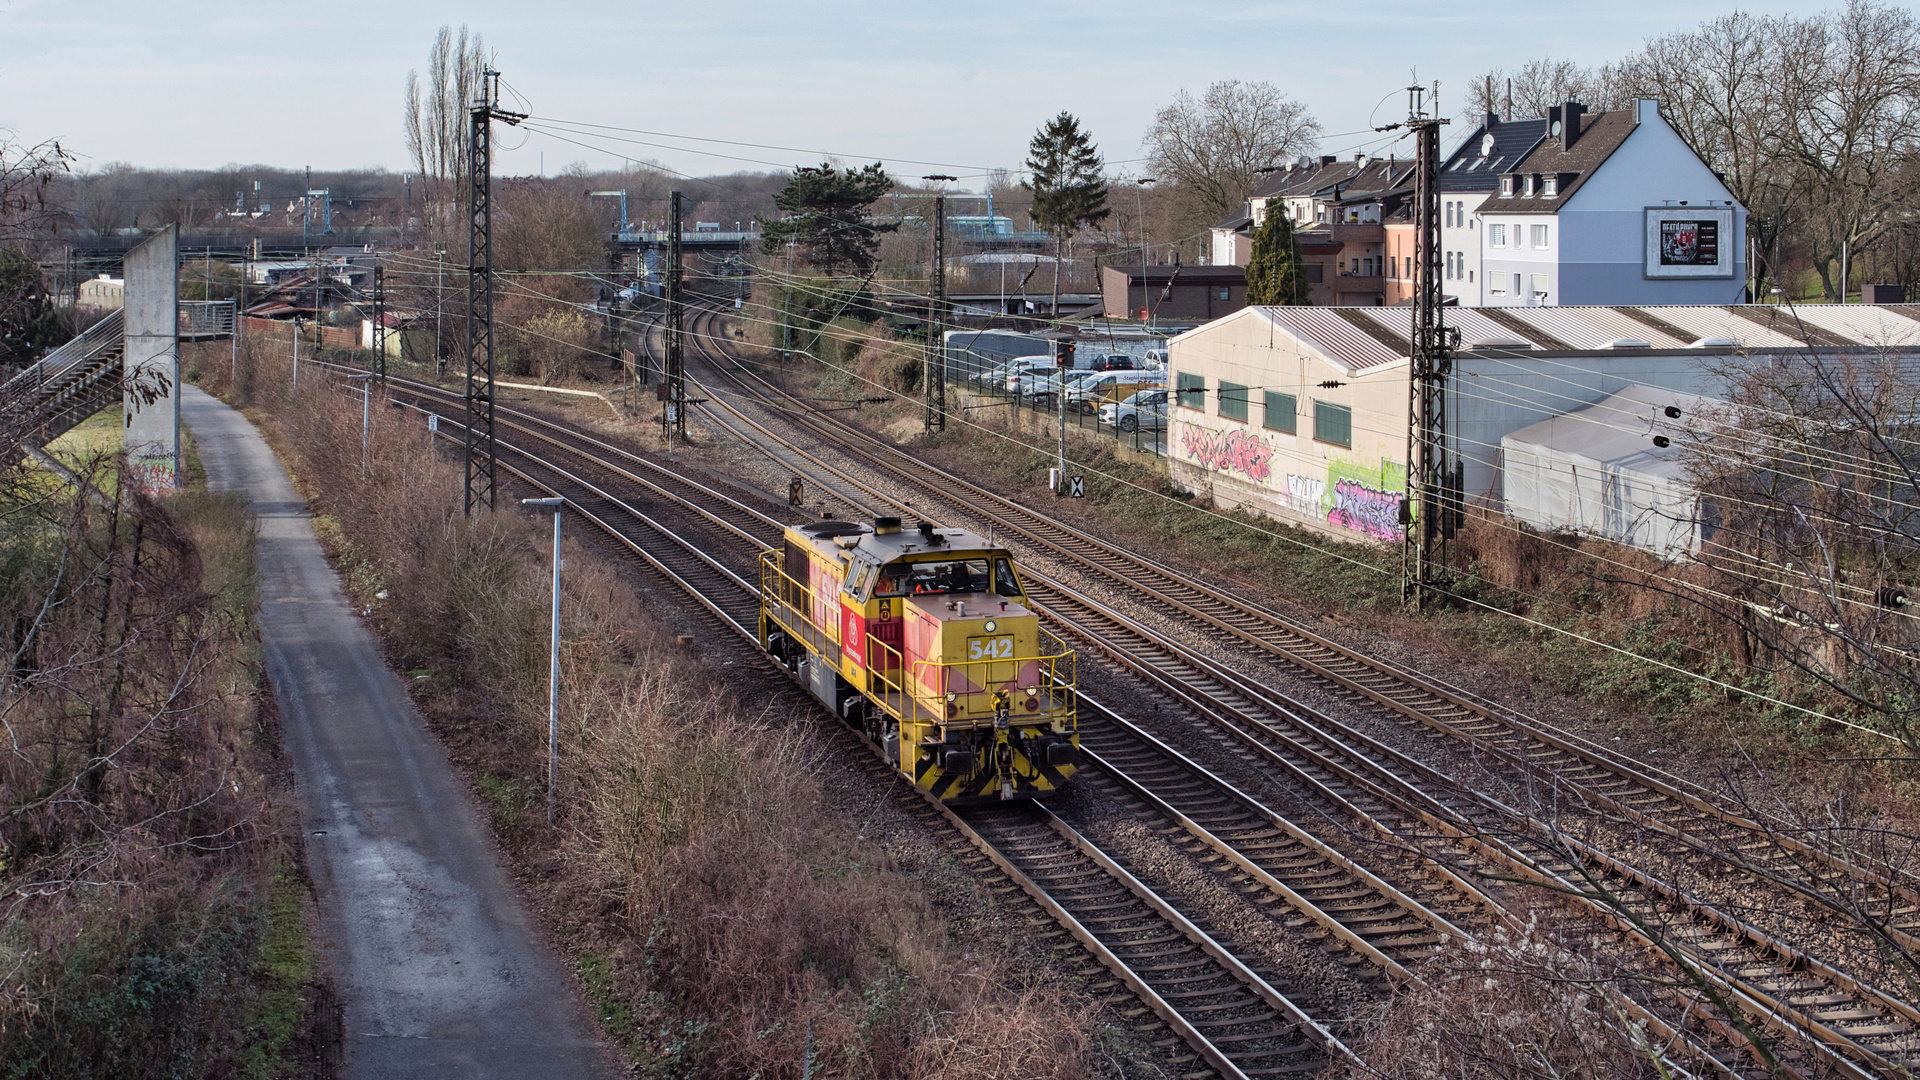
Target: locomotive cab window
1004,583
934,578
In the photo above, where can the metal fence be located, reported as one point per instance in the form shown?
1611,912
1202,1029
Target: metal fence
1147,434
203,320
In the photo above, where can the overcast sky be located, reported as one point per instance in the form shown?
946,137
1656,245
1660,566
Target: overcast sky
957,88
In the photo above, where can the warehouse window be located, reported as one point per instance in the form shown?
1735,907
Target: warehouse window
1282,412
1332,423
1233,400
1193,391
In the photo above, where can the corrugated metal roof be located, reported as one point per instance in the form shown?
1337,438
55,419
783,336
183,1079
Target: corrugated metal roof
1366,337
1864,324
1591,327
1336,337
1706,322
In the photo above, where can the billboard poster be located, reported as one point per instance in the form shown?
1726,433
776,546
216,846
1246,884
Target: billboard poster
1687,242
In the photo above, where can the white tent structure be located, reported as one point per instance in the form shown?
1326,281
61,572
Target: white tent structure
1598,470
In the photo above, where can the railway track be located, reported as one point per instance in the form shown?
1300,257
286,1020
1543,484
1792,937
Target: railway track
1664,804
1234,1021
1373,920
1850,1023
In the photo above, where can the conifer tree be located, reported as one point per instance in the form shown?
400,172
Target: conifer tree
1064,169
1276,273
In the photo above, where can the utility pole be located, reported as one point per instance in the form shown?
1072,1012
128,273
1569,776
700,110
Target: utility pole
1431,510
439,311
934,378
379,365
673,419
478,434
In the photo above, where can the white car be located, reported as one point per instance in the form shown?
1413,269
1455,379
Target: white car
1042,387
1145,408
1023,369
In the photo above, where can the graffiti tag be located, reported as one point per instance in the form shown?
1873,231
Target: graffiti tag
1305,494
1236,451
1361,508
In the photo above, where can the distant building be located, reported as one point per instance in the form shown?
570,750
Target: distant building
1301,413
103,293
1571,208
1179,293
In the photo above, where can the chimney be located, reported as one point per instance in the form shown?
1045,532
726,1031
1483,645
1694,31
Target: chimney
1328,159
1493,119
1553,117
1570,129
1645,110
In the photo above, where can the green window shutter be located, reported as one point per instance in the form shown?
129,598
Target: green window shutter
1332,423
1282,412
1193,391
1233,400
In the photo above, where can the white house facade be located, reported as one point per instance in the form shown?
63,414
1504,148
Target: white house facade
1613,208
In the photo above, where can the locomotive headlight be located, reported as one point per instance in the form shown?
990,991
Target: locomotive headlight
990,627
951,696
1033,691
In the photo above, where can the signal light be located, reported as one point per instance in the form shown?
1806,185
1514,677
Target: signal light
1662,441
1063,353
1033,704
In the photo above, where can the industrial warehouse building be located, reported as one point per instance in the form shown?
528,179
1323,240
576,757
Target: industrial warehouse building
1301,413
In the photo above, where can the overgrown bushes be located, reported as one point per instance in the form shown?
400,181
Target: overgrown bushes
140,813
721,917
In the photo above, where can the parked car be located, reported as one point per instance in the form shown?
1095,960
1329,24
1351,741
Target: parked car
1156,360
1109,362
1023,369
995,376
1041,387
1143,408
1100,386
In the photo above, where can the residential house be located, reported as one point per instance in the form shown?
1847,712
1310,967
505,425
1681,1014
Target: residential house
1613,208
1338,209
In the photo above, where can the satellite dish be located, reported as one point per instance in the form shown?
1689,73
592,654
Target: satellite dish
1486,145
1555,129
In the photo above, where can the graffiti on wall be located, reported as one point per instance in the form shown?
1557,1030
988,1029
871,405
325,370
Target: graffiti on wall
1365,499
1230,451
1305,494
1363,509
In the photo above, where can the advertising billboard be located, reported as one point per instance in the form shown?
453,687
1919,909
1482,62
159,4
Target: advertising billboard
1690,242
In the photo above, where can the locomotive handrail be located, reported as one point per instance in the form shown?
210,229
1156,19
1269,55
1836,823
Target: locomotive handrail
916,692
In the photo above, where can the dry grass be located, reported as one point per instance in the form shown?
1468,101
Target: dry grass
141,798
717,910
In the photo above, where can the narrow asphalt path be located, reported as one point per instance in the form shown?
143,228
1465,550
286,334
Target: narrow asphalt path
435,962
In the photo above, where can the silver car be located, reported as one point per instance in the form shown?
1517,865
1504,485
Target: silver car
1144,408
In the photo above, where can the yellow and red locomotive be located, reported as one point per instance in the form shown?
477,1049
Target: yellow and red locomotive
925,640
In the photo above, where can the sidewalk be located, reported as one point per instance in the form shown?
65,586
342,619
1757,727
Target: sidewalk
436,965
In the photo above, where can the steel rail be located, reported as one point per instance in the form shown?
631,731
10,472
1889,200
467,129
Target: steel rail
1230,1021
1293,897
1765,1005
1489,727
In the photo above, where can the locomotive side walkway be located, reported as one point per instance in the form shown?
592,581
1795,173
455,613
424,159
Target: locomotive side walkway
436,964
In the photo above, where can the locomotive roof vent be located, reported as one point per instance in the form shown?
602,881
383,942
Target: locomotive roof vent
884,526
822,530
927,535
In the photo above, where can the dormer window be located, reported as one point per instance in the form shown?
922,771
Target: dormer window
1506,187
1530,178
1550,187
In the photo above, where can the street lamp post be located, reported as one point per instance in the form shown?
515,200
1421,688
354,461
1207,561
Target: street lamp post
365,379
1140,208
553,654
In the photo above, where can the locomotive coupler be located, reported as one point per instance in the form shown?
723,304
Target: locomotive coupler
1002,710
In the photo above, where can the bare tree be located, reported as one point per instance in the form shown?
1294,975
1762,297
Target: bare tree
1811,478
1539,85
1213,148
1851,124
437,118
